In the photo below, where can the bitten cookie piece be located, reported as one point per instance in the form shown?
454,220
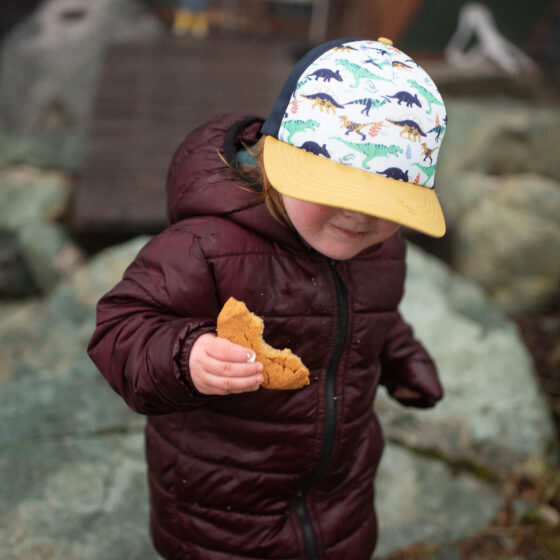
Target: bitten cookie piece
282,369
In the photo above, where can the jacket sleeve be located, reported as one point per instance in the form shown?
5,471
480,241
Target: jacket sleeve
147,323
406,363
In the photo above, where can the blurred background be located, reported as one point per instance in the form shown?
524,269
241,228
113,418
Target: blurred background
96,95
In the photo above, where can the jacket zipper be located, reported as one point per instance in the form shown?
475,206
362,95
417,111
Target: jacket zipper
302,515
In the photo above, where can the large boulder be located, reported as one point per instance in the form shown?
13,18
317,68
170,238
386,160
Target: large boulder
49,70
72,454
506,237
498,137
499,184
438,477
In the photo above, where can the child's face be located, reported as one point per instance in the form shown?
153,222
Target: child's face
334,232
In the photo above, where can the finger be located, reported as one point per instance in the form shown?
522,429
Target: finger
227,351
228,385
232,369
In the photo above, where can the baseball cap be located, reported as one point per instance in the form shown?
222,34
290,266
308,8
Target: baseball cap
358,125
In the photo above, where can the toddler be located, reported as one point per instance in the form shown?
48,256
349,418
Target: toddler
298,217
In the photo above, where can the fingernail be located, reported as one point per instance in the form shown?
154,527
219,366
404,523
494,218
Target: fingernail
251,357
259,379
259,367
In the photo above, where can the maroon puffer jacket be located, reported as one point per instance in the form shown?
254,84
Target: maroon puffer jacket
269,474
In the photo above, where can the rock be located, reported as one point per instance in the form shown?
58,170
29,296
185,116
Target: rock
29,195
424,500
497,137
493,415
447,460
71,451
83,497
506,238
15,278
499,189
49,70
34,246
72,467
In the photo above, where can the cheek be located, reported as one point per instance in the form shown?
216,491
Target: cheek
307,216
388,228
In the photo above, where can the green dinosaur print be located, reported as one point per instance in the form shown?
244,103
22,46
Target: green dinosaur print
429,171
427,95
371,151
359,72
293,127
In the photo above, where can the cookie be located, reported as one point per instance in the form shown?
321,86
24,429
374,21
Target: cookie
282,369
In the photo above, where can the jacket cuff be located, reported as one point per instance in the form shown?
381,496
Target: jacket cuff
182,360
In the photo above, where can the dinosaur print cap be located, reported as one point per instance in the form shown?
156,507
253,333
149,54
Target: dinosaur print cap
358,125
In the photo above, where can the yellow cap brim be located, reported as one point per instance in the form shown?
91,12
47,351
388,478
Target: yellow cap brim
300,174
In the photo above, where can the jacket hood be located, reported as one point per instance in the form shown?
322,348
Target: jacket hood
203,180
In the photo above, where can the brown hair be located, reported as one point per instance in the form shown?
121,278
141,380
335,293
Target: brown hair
256,174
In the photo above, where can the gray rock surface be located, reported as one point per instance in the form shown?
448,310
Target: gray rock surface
499,184
35,248
49,70
493,415
498,136
507,234
421,499
72,470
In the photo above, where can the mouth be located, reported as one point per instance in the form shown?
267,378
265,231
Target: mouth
351,234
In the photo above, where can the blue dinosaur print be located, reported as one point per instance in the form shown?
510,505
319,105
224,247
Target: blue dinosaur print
410,128
368,103
395,173
405,97
324,100
326,74
438,131
370,61
316,149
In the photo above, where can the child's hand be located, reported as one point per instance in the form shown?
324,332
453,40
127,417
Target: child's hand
220,367
404,394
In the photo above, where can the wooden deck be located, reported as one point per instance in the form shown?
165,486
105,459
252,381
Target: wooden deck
150,96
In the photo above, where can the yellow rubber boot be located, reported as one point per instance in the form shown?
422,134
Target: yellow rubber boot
183,22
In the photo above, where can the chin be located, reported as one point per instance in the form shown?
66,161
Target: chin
340,254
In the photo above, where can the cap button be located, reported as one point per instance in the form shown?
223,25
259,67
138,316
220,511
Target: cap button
385,41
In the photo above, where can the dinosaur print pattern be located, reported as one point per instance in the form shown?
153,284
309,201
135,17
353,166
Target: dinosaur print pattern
324,100
363,101
405,97
371,151
295,126
368,103
359,72
428,152
399,64
430,98
354,127
326,74
395,173
410,128
316,149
